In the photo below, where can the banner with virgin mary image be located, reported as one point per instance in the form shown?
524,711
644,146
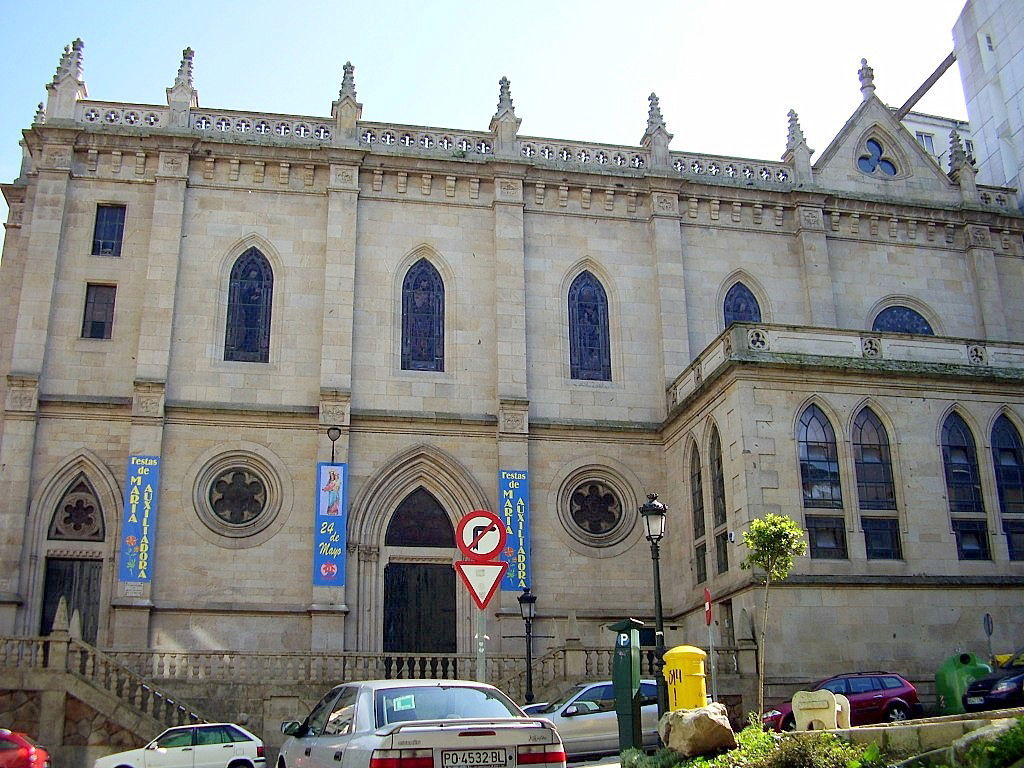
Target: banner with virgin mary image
331,523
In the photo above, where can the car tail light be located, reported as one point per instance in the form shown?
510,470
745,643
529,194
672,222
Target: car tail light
541,754
260,751
402,758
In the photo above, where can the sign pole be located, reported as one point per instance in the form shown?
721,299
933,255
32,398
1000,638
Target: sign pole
711,645
481,647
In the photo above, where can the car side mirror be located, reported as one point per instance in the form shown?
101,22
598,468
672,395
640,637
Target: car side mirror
151,745
290,727
572,709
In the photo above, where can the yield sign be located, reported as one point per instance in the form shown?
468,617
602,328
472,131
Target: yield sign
482,579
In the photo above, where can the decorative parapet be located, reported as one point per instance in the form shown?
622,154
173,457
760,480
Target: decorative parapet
783,344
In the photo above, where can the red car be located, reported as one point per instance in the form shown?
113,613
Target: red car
875,697
19,751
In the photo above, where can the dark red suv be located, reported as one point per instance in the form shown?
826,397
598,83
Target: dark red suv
875,697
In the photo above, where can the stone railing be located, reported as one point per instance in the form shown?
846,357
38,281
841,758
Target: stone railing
887,351
59,653
106,673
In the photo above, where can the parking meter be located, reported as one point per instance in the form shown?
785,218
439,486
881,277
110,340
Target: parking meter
626,681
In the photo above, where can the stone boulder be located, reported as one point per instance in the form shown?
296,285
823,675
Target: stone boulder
698,731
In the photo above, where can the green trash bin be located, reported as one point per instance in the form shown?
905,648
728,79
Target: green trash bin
952,678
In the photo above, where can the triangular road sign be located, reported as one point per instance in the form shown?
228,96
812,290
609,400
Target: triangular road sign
482,579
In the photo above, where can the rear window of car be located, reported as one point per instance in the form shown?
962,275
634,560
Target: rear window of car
393,705
891,682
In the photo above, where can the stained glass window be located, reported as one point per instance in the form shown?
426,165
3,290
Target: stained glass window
717,480
1009,463
874,467
589,347
423,319
740,306
420,521
696,494
819,462
901,320
960,461
250,296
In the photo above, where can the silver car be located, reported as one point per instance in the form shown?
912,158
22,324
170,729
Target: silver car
419,724
586,720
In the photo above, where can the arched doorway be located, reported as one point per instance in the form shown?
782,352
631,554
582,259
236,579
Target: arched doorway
419,591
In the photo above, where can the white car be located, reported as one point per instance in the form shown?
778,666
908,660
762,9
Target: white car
419,724
586,720
203,745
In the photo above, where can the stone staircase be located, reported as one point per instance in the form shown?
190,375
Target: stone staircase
79,702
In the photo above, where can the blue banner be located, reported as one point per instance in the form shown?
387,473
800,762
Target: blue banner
331,522
514,503
138,531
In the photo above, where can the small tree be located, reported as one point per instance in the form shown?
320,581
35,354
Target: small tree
773,541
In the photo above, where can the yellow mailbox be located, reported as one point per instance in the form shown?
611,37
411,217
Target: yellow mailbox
684,673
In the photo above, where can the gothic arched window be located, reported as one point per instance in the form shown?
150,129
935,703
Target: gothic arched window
79,516
420,521
1008,459
740,306
819,461
902,320
423,318
871,457
589,348
696,493
717,480
960,461
250,295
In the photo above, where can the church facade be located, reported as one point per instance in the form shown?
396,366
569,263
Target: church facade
257,367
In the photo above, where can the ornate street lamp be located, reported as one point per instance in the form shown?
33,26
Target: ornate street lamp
333,433
654,513
528,609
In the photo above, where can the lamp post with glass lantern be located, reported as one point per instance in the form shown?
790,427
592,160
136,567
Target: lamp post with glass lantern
654,513
528,609
333,433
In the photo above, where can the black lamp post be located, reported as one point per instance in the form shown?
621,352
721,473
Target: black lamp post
333,433
528,609
654,513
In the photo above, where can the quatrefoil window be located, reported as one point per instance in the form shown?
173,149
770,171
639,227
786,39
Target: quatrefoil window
876,159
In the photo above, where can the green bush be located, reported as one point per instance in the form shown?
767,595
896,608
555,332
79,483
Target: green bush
758,748
1000,752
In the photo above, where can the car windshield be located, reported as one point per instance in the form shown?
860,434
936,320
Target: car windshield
561,701
440,702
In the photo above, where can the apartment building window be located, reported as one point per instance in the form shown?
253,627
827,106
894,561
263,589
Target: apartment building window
827,536
108,231
926,140
1014,530
98,318
971,539
882,538
700,562
722,551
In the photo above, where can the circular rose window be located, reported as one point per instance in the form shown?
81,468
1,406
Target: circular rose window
595,509
238,496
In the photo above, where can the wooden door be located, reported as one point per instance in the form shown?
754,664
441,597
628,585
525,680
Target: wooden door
78,582
419,608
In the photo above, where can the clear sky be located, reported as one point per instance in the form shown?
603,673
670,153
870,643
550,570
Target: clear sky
726,72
